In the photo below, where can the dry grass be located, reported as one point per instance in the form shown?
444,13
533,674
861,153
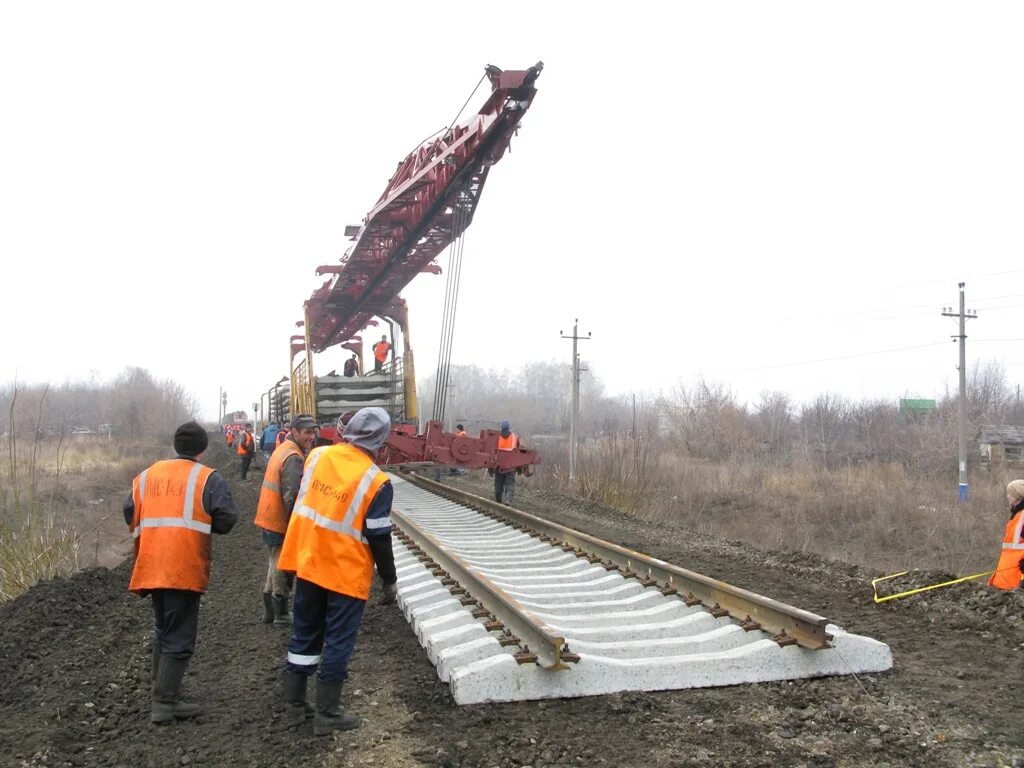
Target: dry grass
51,492
882,516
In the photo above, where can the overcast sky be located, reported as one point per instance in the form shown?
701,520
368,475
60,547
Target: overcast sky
770,195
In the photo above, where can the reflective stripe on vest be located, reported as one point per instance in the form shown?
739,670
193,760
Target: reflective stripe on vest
1008,575
270,512
171,528
325,543
187,510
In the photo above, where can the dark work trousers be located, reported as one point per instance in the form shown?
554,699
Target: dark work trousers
246,461
176,615
504,486
323,631
377,365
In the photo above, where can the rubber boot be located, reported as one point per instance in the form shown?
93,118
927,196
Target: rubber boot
282,617
268,608
296,708
167,690
329,717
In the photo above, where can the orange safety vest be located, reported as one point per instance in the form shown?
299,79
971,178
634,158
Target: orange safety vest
509,443
270,512
230,437
461,433
380,350
324,543
244,441
1008,575
171,528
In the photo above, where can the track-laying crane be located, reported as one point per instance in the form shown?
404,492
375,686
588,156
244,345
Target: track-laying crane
426,206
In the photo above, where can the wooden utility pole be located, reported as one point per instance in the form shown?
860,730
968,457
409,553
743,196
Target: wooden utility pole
574,414
963,315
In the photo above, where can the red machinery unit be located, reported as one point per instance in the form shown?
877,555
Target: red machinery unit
414,219
435,446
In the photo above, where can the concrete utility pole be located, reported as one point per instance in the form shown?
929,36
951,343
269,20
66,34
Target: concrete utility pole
963,316
574,414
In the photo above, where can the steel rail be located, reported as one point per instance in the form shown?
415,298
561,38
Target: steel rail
787,624
534,636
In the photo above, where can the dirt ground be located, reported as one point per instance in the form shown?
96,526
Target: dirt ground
74,666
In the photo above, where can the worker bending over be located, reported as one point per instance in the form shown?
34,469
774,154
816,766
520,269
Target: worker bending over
274,509
173,509
1011,558
340,528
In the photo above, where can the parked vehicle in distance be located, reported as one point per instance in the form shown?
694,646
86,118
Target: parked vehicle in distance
82,431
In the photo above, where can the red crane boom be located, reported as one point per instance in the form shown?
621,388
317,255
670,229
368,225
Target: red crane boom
414,219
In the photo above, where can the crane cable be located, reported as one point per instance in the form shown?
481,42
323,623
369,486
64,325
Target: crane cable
461,212
460,221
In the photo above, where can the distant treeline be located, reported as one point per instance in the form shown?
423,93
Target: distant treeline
133,404
705,419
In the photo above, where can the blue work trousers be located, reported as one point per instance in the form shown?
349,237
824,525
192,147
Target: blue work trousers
323,631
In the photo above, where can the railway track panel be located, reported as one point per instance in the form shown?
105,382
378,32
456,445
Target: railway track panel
508,611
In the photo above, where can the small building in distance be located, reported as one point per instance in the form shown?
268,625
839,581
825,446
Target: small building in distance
1001,444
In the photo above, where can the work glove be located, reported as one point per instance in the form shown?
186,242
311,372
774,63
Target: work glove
390,594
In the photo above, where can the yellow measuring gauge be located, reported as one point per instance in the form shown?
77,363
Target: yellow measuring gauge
909,592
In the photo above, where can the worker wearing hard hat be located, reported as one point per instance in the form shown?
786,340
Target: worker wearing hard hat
274,509
1009,570
340,528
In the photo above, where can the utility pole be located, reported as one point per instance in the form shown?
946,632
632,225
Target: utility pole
223,407
963,315
574,414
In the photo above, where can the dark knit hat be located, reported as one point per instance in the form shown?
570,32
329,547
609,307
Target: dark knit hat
190,439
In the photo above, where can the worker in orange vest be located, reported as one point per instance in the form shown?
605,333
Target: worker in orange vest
283,432
246,449
229,437
380,353
1011,559
173,509
277,499
505,482
340,528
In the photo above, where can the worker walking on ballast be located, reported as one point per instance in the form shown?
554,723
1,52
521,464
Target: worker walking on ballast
246,450
505,482
1010,568
277,499
340,528
173,509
